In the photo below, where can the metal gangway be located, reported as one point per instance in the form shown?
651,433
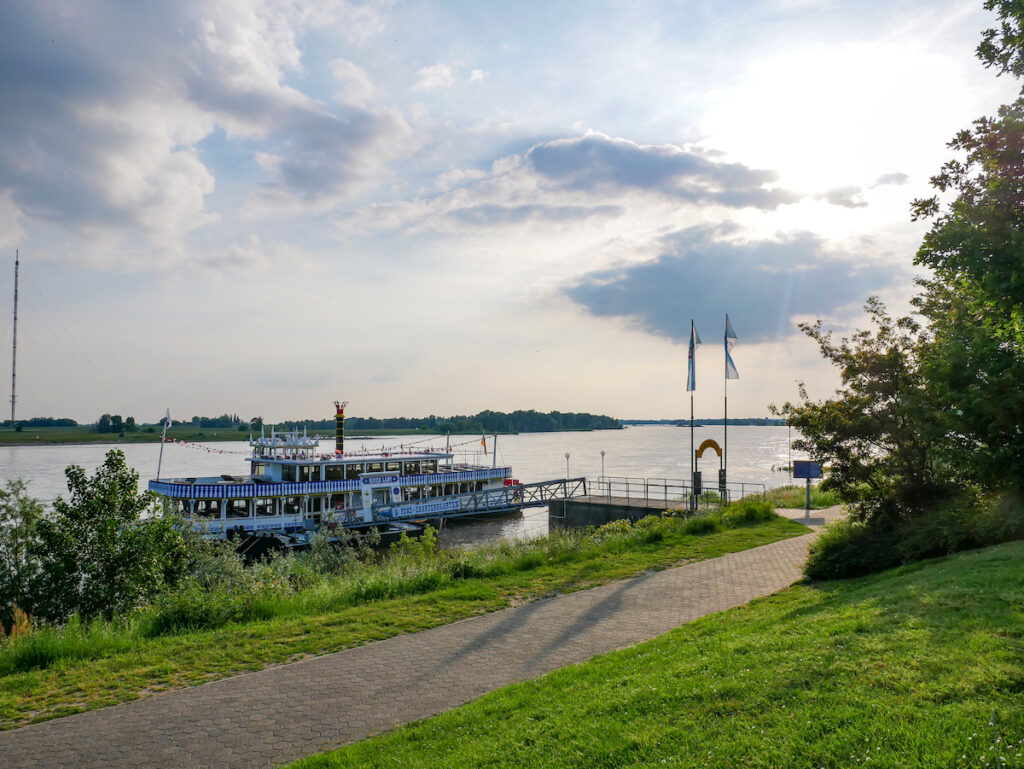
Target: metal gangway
505,499
626,490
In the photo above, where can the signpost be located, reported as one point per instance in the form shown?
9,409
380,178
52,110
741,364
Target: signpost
804,468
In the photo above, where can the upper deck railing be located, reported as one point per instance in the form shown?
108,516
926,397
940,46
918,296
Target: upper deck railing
183,489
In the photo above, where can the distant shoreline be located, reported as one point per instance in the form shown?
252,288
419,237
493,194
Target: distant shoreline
77,436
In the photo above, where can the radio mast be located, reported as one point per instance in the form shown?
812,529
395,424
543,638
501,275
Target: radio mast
14,341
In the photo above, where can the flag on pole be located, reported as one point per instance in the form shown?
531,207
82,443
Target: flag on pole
691,371
483,442
167,419
730,342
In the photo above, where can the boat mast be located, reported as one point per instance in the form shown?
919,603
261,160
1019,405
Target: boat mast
14,340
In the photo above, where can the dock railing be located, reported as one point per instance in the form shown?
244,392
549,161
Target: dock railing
669,490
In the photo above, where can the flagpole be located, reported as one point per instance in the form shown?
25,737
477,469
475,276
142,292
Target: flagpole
692,363
725,427
163,438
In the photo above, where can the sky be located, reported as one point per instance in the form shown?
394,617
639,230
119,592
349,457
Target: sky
236,206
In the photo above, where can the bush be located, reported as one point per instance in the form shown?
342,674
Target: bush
851,548
102,552
746,512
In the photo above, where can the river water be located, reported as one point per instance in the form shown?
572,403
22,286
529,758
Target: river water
642,451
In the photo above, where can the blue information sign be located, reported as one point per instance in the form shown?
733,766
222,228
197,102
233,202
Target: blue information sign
803,468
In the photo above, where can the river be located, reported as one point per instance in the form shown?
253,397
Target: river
642,451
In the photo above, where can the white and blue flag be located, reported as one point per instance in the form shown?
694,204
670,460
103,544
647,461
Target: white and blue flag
691,371
730,342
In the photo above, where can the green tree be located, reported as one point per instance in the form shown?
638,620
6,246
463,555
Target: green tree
19,518
876,433
103,551
975,246
976,384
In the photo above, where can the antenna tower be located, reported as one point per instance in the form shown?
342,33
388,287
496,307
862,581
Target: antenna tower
14,341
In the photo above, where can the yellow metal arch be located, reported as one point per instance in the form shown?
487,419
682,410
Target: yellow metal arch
709,444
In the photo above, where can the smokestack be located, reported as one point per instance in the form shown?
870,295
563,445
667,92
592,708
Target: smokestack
339,426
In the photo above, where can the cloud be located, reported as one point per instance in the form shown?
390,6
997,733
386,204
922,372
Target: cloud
578,179
104,140
897,178
434,77
847,197
10,227
704,272
600,164
486,215
478,75
357,87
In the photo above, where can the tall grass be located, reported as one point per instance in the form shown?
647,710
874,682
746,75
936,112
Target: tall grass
790,497
221,590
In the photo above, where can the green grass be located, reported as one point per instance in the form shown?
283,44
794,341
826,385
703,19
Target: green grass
790,497
902,669
57,672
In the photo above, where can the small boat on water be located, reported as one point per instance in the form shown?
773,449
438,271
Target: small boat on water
294,489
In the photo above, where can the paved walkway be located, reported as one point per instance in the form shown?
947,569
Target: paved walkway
281,714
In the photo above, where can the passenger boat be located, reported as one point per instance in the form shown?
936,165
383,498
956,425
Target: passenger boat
293,487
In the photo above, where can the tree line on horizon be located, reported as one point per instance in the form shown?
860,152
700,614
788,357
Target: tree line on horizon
484,422
740,421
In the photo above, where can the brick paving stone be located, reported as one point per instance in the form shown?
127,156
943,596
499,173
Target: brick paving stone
267,718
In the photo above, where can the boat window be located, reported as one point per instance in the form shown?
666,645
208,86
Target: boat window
258,469
238,508
304,473
429,466
335,472
292,505
412,468
288,473
264,506
352,471
375,467
393,467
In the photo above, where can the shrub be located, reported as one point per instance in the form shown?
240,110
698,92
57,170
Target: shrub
746,512
98,553
853,548
850,548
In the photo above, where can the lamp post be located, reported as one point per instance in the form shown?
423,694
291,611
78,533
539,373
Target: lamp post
567,465
604,480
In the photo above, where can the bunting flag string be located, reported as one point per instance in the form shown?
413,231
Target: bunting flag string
383,450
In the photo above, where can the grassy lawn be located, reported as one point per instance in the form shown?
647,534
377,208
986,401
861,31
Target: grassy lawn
902,669
129,666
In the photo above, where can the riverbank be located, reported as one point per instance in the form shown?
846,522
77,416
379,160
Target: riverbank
55,674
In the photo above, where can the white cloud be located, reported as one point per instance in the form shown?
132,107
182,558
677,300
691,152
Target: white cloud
357,87
434,77
106,141
10,226
478,75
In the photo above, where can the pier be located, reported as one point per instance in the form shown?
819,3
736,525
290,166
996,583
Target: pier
623,498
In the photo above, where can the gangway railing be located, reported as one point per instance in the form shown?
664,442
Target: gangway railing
669,490
513,497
